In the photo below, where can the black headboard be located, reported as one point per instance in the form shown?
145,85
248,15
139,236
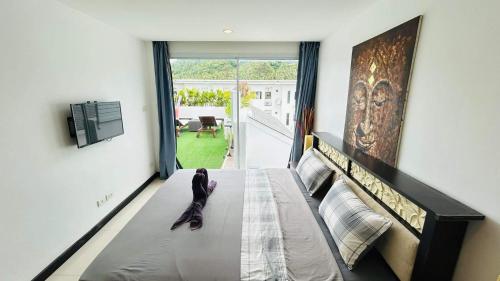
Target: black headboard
440,221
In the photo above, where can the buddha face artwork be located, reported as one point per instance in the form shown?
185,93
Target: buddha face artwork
378,89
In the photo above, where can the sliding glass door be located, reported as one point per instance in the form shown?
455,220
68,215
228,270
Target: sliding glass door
204,92
234,113
267,103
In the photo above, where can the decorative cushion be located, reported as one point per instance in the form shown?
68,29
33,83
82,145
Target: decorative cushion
312,171
398,245
337,172
353,225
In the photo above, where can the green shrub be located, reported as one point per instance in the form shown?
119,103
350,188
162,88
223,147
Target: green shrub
219,97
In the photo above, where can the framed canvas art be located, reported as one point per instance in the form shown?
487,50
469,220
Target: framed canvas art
378,89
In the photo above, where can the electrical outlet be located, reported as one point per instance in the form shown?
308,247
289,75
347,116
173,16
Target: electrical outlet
108,196
104,200
100,203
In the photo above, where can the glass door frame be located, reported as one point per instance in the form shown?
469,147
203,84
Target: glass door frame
235,99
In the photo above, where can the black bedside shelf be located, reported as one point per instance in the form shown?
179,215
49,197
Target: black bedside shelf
434,202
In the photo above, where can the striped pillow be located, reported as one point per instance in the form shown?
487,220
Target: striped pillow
312,171
353,225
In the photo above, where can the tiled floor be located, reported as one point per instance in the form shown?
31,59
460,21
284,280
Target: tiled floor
76,265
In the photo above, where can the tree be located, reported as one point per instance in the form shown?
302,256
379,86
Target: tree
257,71
219,97
226,70
204,69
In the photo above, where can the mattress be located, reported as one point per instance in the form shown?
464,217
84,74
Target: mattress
146,248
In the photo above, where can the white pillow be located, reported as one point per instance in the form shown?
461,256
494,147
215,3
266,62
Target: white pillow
312,171
353,225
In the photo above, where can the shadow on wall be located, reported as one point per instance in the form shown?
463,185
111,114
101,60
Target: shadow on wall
481,237
59,118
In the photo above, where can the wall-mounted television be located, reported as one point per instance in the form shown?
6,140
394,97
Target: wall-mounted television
92,122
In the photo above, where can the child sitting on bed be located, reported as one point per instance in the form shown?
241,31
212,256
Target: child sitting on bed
202,188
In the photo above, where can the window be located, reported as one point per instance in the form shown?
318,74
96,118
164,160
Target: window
288,114
266,121
203,87
252,98
288,98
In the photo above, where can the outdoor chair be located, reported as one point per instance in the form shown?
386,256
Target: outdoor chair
208,124
178,127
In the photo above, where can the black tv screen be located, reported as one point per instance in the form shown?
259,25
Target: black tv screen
96,121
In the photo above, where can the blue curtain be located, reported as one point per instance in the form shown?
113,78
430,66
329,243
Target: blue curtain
166,109
305,95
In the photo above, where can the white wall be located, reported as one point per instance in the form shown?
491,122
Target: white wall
452,127
242,50
51,56
194,112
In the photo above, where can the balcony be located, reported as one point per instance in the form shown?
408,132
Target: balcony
264,141
203,151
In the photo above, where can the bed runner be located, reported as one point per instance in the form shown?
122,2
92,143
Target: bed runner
262,254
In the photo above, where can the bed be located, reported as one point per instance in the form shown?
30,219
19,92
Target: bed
146,248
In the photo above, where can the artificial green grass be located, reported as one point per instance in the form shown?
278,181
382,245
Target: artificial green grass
203,152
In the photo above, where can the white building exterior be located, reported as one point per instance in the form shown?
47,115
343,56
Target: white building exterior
274,97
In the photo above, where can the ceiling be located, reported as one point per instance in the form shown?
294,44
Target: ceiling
204,20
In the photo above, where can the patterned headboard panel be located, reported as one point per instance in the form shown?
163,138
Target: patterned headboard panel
403,208
428,226
399,245
333,155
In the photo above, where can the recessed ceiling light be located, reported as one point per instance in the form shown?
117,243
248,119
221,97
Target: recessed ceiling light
227,30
